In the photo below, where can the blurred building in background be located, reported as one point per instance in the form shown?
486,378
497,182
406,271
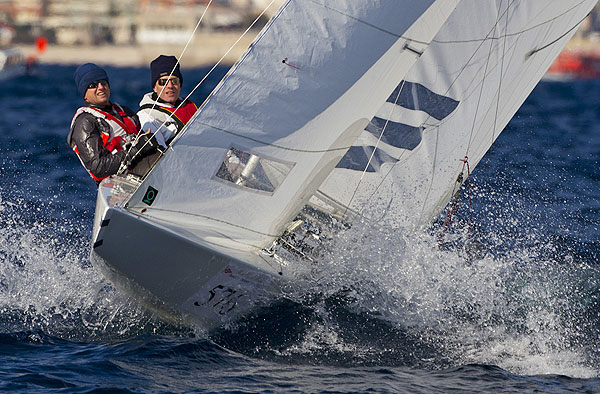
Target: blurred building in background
131,22
76,22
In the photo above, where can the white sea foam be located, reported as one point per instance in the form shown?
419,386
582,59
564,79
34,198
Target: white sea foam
521,308
47,283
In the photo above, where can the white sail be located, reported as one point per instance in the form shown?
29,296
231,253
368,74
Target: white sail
403,89
453,104
284,116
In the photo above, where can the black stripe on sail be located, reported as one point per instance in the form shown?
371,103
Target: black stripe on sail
396,134
357,158
418,97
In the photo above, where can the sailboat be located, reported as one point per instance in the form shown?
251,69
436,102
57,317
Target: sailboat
338,109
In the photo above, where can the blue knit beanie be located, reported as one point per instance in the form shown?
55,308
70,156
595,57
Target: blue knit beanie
162,66
86,74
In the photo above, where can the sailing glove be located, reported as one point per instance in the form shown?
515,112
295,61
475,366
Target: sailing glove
145,145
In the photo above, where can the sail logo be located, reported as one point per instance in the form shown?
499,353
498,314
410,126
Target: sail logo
402,119
150,195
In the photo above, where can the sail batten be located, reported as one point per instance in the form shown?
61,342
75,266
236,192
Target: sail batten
488,68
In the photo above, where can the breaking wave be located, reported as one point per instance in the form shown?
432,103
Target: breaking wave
47,283
504,292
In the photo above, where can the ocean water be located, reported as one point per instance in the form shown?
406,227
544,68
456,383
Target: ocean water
512,307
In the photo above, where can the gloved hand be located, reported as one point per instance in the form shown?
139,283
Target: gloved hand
145,145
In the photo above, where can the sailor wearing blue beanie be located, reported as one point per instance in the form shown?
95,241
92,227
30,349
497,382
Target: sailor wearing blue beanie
86,74
105,135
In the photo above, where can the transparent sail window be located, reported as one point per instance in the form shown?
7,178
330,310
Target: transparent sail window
252,171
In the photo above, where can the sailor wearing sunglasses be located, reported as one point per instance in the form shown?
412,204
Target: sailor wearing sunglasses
163,109
102,132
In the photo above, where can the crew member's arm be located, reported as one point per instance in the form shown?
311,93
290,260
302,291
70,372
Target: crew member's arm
95,157
150,124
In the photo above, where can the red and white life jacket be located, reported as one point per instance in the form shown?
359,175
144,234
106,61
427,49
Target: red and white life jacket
121,131
167,112
182,114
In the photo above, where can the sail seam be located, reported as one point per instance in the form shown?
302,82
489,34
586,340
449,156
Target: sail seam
274,145
483,80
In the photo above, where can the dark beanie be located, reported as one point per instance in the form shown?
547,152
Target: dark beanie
86,74
162,66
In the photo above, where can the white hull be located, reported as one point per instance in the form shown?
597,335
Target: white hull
177,277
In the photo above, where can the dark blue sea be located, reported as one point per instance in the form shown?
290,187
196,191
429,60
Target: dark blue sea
513,306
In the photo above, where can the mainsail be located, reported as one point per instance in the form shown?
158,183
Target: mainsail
451,106
284,116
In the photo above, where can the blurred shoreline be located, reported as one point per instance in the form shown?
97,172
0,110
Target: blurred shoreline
204,50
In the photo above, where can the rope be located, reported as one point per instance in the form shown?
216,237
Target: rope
454,203
534,51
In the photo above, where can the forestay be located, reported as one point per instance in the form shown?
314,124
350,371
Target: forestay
453,104
281,120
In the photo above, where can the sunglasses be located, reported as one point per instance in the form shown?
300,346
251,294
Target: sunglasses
95,84
163,81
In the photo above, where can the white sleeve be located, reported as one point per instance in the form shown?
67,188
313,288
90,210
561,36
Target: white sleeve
152,125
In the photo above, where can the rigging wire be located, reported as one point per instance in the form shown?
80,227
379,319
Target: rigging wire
483,79
375,148
179,59
209,72
518,33
123,168
501,72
